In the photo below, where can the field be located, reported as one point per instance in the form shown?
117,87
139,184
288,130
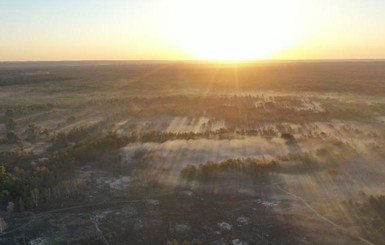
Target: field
118,152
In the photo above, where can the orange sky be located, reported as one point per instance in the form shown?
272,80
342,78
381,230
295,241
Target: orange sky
200,29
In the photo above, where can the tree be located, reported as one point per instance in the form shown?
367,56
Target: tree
288,137
45,132
32,131
35,196
21,145
10,207
20,204
4,197
6,179
3,225
9,113
189,172
12,137
10,124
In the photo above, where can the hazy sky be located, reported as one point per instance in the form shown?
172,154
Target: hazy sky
181,29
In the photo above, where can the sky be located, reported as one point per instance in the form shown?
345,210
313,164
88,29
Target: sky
185,30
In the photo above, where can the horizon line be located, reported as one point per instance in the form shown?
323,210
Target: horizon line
198,60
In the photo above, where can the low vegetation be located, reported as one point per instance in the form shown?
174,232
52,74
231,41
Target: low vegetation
231,168
94,139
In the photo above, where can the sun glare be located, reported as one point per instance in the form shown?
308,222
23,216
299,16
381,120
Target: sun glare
234,30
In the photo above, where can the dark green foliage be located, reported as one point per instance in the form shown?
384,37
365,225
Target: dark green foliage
6,182
11,137
32,132
377,203
25,186
71,119
13,79
16,111
75,135
231,168
59,141
10,158
370,213
288,137
10,124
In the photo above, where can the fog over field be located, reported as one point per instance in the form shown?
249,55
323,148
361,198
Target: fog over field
116,152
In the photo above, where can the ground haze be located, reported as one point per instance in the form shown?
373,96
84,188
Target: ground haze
156,152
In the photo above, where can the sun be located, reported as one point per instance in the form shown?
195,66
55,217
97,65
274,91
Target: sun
234,30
